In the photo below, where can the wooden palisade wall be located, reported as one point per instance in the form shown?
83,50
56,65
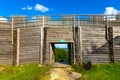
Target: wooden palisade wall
6,48
94,45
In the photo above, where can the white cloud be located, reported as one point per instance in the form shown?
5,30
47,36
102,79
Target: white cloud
24,8
111,11
3,19
27,8
37,7
41,8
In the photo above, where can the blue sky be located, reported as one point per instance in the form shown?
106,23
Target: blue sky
61,45
43,7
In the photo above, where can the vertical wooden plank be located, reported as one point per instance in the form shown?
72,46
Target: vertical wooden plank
80,43
78,39
106,28
41,45
12,26
74,21
51,52
111,44
41,39
76,45
16,46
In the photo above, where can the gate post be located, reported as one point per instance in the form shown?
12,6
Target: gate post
111,44
79,46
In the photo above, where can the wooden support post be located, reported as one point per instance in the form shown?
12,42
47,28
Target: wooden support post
80,43
111,44
41,46
74,62
16,47
51,53
106,28
12,26
41,39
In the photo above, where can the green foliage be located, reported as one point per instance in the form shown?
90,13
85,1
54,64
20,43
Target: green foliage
100,72
61,55
24,72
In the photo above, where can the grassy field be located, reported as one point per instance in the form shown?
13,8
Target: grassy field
100,72
23,72
34,72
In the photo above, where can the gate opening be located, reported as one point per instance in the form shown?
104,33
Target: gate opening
61,52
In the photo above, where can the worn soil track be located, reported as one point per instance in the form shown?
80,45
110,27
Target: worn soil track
63,72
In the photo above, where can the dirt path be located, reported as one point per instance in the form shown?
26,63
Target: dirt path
63,72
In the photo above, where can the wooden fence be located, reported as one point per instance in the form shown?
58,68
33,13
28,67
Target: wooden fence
116,43
94,38
94,44
26,47
6,48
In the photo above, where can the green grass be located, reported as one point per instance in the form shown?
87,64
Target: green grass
24,72
100,72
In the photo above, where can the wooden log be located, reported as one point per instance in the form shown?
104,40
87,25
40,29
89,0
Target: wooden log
111,44
12,27
16,47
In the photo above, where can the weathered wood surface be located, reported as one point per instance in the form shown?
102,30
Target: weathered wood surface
6,48
16,47
91,43
94,45
111,44
55,34
96,58
29,45
117,43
